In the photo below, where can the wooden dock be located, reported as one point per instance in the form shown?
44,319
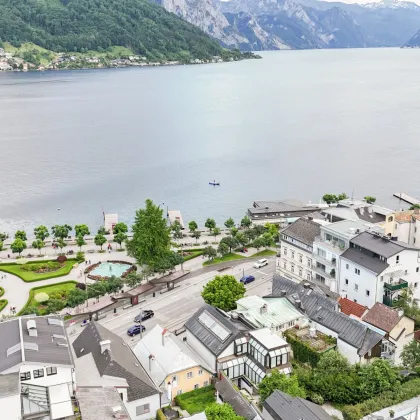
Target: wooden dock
405,197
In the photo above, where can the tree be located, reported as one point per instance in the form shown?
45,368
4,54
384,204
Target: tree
230,223
80,241
414,206
330,198
234,231
151,236
120,228
215,233
267,240
210,252
21,234
342,196
249,235
133,279
230,241
196,235
258,230
241,238
18,245
76,297
410,354
1,245
61,231
258,243
223,411
102,231
246,222
100,240
80,257
81,230
377,377
223,249
273,230
41,232
119,238
38,244
3,236
176,230
210,225
223,292
277,380
55,305
113,284
192,226
369,199
61,243
333,362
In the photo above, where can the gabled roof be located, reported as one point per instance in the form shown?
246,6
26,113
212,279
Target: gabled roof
208,335
303,230
366,261
282,406
349,307
171,354
119,362
383,317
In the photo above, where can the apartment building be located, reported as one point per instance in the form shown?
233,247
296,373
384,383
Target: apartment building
404,226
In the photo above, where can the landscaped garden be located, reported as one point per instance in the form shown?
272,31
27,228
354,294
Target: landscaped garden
39,270
196,401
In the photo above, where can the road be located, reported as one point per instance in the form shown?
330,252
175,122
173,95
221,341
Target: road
174,308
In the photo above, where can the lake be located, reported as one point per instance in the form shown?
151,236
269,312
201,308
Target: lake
296,124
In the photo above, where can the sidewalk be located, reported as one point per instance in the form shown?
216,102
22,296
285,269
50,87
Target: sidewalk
409,409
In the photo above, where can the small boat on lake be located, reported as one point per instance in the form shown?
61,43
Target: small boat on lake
214,183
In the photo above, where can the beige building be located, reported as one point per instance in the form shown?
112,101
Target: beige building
171,363
404,226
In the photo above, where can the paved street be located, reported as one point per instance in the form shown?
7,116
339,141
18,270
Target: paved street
172,309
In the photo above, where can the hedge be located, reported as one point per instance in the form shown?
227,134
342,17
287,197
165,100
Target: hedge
302,352
195,253
160,415
3,304
400,393
1,291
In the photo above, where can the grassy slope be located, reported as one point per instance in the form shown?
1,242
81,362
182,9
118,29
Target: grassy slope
264,253
228,257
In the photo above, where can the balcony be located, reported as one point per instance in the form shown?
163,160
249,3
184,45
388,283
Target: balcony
335,246
325,273
399,285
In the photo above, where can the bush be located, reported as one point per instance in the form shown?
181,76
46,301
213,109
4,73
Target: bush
80,257
316,398
81,286
61,259
41,297
3,304
160,415
1,291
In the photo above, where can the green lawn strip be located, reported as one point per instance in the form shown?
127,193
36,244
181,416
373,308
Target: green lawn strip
264,253
228,257
65,285
29,276
196,401
194,253
3,304
1,291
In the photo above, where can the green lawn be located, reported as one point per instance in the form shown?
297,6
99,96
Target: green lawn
228,257
14,268
196,401
57,287
265,253
3,304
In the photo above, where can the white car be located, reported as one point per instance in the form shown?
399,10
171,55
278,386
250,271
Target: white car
260,263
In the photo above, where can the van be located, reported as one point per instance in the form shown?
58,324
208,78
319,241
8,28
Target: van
260,263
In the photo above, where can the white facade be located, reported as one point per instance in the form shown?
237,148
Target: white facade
202,350
295,261
11,407
143,409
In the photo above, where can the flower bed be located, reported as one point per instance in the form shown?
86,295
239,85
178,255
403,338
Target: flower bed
44,267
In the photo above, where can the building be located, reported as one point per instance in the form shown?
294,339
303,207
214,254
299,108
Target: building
376,268
103,359
357,341
172,365
398,329
296,249
404,226
281,406
351,308
36,361
333,240
278,314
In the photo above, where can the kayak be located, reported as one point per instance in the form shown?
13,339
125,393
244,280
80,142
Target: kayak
214,183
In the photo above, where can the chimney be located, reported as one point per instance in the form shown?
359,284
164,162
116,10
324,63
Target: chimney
298,304
283,293
105,345
306,286
31,326
164,331
263,308
151,358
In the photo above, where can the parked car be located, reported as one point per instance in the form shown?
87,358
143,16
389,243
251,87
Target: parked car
247,279
146,314
260,263
136,329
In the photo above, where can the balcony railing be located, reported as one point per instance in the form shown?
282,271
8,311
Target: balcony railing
324,273
400,284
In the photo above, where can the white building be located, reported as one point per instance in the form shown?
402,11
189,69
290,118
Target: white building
36,350
330,244
375,268
404,226
103,359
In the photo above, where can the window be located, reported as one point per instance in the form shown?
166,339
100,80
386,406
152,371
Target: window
24,376
367,292
142,409
238,350
346,281
292,268
300,271
356,287
200,372
196,386
355,300
322,253
39,373
174,378
415,230
179,392
357,271
122,396
415,285
347,266
414,240
396,226
285,265
205,383
398,259
285,251
417,269
51,371
300,258
309,262
293,255
189,375
308,275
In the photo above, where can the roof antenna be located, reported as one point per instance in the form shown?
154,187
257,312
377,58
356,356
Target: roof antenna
352,194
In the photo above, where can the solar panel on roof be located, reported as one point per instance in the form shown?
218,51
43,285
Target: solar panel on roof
214,326
13,349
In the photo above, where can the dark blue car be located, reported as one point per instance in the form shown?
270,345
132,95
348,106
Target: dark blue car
247,279
135,329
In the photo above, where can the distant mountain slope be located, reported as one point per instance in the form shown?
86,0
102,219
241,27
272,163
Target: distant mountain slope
414,41
78,25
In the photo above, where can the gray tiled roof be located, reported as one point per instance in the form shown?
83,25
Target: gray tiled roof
235,399
119,362
10,336
282,406
303,230
372,264
324,310
274,207
9,384
208,338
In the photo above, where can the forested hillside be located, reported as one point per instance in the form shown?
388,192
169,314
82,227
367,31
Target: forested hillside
81,25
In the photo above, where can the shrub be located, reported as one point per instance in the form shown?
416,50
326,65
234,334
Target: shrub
80,257
61,259
316,398
1,291
81,286
160,415
3,304
41,297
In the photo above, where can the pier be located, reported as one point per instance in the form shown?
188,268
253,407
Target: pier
405,197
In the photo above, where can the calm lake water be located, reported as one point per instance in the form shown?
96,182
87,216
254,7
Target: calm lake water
296,124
